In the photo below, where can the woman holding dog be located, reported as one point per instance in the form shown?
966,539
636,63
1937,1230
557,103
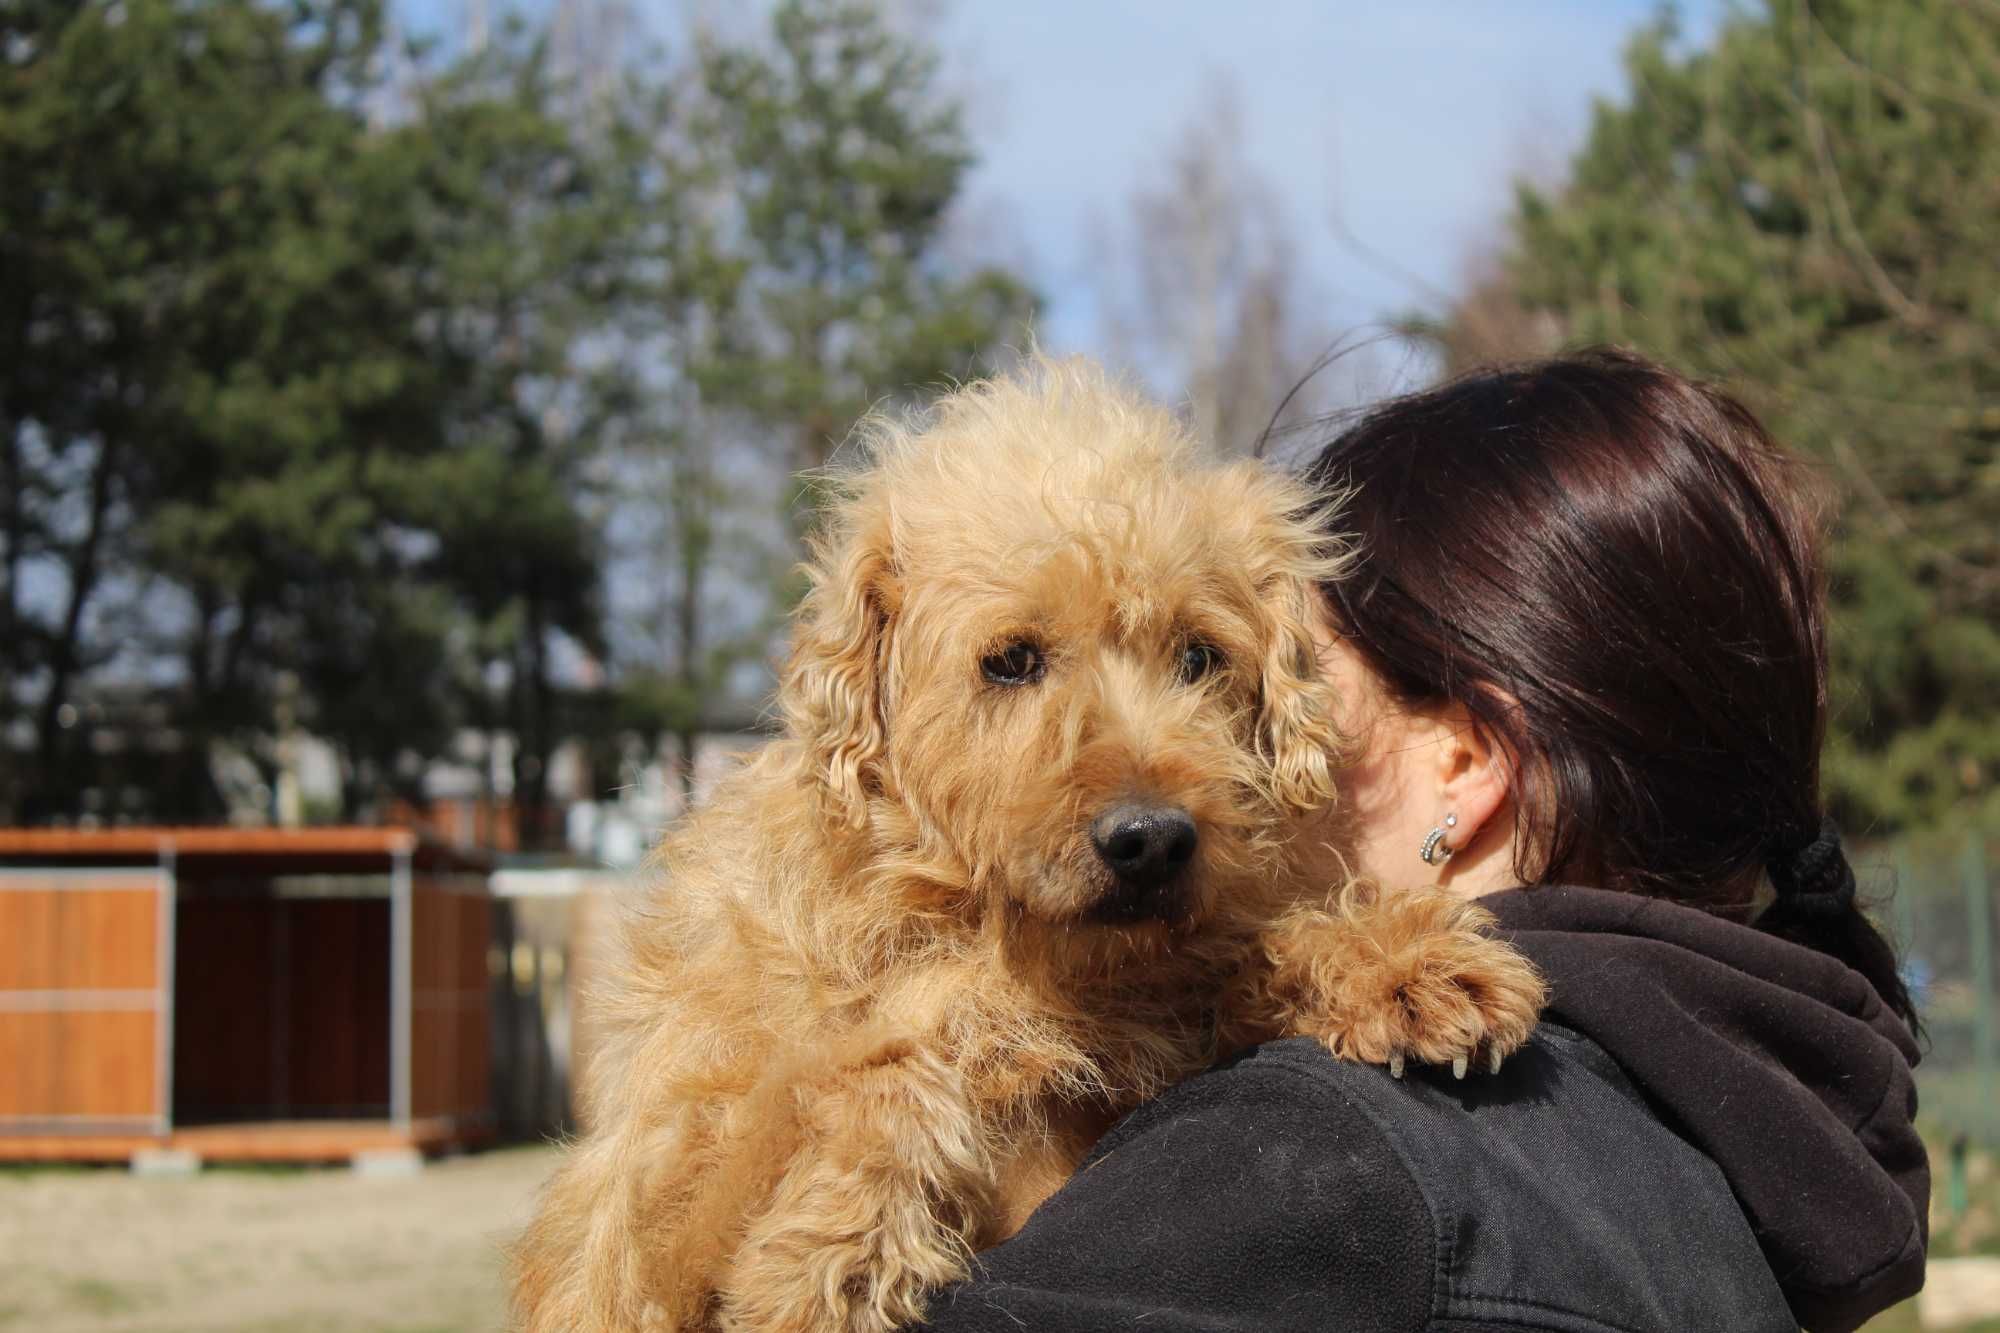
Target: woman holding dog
1584,654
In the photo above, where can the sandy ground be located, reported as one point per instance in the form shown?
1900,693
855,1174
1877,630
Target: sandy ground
324,1251
312,1251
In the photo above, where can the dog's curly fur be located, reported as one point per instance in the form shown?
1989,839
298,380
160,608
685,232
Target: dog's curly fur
867,1017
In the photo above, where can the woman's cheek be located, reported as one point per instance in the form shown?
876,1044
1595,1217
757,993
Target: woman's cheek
1377,789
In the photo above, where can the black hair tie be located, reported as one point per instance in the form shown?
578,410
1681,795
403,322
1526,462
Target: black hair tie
1817,874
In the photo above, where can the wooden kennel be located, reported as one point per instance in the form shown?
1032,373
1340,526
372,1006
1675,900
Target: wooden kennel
241,994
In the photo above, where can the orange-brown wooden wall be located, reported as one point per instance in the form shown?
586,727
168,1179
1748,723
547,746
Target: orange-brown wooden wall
449,999
80,983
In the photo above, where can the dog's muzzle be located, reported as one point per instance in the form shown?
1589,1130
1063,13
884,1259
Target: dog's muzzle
1147,848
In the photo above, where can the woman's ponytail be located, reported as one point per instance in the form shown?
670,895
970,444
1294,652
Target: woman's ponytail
1817,906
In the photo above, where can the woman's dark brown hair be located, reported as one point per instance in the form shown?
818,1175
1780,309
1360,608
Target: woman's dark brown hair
1615,570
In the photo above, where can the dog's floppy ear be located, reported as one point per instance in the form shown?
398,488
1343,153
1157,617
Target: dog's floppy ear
1295,729
1289,553
831,690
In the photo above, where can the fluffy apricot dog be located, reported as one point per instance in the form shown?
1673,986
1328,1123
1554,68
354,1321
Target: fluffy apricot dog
1043,835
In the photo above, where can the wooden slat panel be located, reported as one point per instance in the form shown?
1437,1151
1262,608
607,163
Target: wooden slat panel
224,1041
434,921
28,1055
109,940
474,1055
339,1002
449,1022
68,942
475,1088
106,1066
29,959
423,1019
102,939
283,1007
475,930
430,1020
430,1027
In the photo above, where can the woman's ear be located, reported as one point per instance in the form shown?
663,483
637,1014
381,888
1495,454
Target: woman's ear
1475,776
831,689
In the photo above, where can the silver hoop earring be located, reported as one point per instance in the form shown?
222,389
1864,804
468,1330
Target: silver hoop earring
1434,851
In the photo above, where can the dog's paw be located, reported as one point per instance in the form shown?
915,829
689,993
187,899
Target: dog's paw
841,1264
807,1283
875,1212
1412,976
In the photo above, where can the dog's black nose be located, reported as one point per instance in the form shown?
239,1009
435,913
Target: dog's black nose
1144,845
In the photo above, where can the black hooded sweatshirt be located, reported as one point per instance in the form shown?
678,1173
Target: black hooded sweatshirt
1711,1130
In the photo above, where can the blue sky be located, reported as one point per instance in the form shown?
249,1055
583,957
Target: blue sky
1410,118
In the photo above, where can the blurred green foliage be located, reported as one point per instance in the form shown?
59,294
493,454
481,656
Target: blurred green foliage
1808,208
323,362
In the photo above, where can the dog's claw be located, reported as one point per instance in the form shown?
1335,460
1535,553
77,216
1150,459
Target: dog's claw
1396,1065
1493,1059
1458,1067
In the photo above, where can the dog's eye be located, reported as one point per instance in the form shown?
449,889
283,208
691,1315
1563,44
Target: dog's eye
1198,660
1017,664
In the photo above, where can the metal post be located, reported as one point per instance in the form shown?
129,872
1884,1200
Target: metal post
1979,923
400,891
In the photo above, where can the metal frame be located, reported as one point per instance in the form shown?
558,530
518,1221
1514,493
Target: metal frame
75,999
105,879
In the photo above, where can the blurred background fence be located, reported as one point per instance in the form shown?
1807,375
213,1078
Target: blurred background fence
1945,913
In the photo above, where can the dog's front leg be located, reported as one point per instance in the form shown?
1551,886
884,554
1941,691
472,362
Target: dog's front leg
881,1203
1382,977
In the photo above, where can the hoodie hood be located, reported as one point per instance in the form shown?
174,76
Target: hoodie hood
1781,1064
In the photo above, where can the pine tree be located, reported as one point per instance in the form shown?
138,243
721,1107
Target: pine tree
842,157
1808,209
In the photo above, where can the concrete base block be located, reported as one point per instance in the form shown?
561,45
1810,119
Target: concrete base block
388,1163
165,1162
